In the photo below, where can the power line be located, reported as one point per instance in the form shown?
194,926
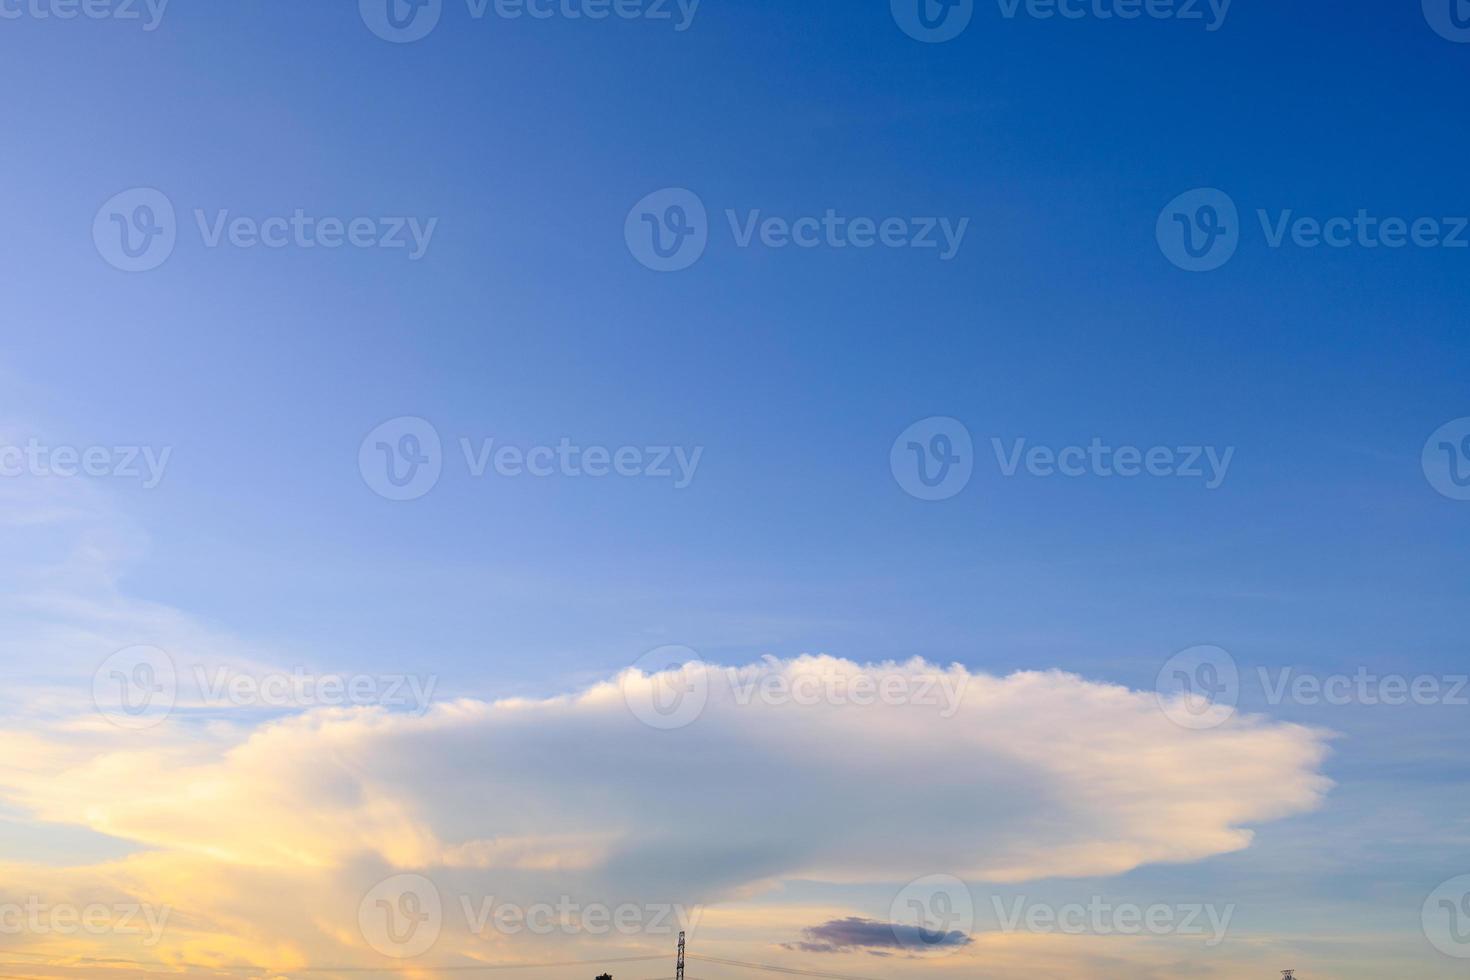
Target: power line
387,968
776,969
479,967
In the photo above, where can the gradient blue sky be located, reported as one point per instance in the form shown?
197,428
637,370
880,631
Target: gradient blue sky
529,321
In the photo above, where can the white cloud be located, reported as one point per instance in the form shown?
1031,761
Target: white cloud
1035,774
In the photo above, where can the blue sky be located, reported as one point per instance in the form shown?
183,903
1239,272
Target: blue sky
1058,321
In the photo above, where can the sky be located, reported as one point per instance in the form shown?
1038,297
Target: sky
862,481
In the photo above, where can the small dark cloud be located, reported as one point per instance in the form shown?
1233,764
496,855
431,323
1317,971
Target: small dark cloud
872,936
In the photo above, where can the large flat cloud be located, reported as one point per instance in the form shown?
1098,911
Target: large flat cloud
1026,776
